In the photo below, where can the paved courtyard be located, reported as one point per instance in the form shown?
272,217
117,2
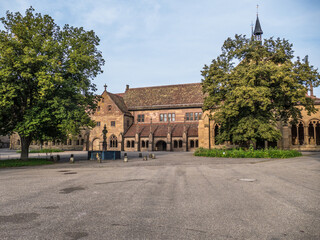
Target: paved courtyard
176,196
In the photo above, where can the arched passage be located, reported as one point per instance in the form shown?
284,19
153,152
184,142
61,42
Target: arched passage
96,144
161,146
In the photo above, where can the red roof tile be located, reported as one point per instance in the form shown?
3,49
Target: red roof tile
171,96
161,129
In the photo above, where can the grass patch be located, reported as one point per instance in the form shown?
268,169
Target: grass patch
20,163
43,151
250,153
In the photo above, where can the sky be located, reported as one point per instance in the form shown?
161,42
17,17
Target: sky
163,42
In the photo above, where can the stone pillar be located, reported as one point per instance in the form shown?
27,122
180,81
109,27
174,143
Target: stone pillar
150,149
121,142
185,141
285,137
306,135
314,133
169,142
137,142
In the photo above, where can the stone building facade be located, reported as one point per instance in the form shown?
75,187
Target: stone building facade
168,118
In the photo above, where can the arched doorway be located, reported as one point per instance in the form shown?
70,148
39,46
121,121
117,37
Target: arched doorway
96,145
161,146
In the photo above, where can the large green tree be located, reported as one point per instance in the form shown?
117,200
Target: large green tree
253,86
46,73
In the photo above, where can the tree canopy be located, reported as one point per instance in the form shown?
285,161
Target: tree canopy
252,86
46,73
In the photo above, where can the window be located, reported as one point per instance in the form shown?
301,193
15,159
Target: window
109,107
113,123
147,144
143,144
187,117
98,109
140,117
164,117
132,144
70,142
82,141
102,100
195,116
191,116
78,142
161,117
128,144
113,142
191,144
175,144
171,117
180,143
98,124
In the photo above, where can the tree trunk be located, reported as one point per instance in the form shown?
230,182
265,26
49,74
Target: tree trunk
25,143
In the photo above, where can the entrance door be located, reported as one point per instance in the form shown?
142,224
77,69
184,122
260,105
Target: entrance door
161,146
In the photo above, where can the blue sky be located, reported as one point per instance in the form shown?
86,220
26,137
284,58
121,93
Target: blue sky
161,42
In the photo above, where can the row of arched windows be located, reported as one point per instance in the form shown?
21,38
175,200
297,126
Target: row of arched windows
306,134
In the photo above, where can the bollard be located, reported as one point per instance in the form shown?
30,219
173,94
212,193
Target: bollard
71,159
140,155
125,158
153,156
98,158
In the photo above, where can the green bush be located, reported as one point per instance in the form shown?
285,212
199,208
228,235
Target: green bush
250,153
20,163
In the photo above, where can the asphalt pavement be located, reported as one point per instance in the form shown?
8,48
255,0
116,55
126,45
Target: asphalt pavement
175,196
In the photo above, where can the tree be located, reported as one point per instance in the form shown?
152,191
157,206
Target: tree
46,73
249,99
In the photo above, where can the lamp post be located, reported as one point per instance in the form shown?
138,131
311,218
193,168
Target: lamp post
104,133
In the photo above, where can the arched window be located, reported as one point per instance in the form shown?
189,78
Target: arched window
70,142
82,141
191,144
128,144
180,143
301,133
113,141
197,143
143,144
132,144
175,144
147,144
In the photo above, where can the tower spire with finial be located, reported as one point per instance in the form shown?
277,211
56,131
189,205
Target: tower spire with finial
257,29
105,87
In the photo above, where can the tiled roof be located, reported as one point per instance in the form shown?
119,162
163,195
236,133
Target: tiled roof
161,129
171,96
119,102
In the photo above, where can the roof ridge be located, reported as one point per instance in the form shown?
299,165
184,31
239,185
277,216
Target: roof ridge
172,85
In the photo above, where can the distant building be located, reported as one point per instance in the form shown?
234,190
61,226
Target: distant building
170,118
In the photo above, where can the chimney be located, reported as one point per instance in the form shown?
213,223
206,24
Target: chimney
127,87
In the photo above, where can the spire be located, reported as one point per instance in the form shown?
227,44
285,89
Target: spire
257,29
